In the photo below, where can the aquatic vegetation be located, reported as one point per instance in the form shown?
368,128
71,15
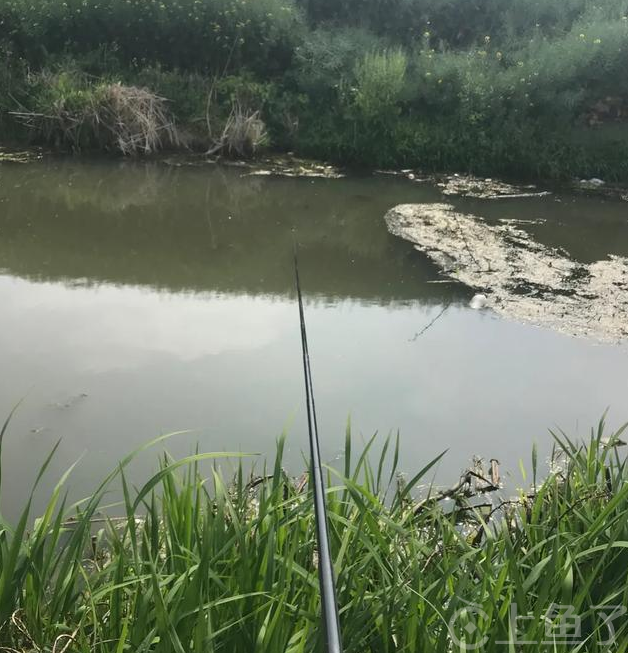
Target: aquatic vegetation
522,278
188,563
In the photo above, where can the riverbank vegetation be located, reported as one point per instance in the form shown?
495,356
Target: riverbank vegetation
520,87
229,564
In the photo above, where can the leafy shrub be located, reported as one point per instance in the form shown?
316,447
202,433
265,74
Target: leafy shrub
460,23
380,79
10,77
327,56
199,35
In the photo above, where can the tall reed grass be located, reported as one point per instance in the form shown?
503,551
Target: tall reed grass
223,564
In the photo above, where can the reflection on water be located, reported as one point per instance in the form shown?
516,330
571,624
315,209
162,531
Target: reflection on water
141,298
207,229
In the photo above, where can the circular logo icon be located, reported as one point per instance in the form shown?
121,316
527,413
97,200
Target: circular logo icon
464,626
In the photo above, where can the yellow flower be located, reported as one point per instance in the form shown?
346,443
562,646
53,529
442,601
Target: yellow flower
499,55
428,74
597,41
426,35
582,36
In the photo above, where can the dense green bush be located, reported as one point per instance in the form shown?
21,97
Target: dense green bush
486,108
460,23
13,90
201,35
489,86
380,80
326,57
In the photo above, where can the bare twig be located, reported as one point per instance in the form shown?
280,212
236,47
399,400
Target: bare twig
463,489
430,324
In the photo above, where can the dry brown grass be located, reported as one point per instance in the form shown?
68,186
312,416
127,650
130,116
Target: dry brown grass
114,117
243,133
137,119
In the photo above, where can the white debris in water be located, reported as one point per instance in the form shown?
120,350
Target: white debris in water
8,155
521,221
293,167
478,301
594,182
521,278
468,186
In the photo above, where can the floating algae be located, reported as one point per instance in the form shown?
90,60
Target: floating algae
521,278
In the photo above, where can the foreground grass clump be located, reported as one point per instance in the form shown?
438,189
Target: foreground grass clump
231,566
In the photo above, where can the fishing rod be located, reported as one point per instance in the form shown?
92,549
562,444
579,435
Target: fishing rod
327,584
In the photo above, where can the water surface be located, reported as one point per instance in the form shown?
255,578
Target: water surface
141,298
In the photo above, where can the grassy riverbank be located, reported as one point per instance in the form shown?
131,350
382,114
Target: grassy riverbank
219,565
505,87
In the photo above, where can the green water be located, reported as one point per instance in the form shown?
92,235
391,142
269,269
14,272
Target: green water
140,298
